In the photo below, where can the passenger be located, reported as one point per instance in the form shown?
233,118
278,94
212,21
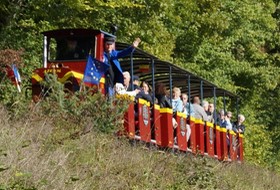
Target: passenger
177,106
71,51
199,112
187,106
145,91
136,81
126,81
125,88
227,123
205,105
189,111
221,117
238,126
146,88
212,113
161,98
120,89
115,74
177,103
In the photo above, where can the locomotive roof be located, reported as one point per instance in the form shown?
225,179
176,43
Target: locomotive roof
74,32
162,70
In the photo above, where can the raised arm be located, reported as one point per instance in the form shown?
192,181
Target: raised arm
128,50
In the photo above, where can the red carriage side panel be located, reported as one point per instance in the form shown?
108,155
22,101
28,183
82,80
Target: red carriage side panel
224,144
181,131
193,142
129,121
233,145
144,122
240,147
218,144
156,124
166,129
199,125
210,138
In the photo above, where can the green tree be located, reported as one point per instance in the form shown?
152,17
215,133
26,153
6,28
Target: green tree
232,43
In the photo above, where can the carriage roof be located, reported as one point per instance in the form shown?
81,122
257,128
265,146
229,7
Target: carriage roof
162,69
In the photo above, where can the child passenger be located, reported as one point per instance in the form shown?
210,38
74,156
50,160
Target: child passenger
177,103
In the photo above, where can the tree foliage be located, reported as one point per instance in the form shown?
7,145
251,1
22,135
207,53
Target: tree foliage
233,43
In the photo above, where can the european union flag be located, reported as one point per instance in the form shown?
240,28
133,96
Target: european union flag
102,67
94,70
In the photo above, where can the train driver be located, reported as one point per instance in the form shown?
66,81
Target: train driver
71,50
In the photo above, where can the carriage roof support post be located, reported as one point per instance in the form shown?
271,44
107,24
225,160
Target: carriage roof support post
170,83
45,54
131,69
201,92
153,78
189,92
237,107
224,99
95,47
215,102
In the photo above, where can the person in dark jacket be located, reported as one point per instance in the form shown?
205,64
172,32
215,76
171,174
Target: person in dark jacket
238,126
160,94
142,94
115,74
146,91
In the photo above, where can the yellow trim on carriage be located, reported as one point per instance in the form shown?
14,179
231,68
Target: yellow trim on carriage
144,102
166,110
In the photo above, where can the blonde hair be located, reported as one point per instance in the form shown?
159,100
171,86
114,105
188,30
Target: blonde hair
176,89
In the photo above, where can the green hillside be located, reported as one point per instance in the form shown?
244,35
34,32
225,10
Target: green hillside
72,144
39,151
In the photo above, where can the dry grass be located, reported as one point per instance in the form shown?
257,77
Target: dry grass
33,156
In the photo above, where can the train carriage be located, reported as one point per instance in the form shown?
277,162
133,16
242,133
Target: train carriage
152,124
206,137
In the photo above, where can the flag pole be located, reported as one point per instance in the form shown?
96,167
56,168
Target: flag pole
81,86
18,86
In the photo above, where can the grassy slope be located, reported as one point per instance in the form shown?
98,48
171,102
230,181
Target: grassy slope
36,155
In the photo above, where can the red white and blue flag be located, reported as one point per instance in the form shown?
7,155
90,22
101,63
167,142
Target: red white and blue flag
17,76
16,73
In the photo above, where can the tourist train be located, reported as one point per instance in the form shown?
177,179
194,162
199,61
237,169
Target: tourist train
143,121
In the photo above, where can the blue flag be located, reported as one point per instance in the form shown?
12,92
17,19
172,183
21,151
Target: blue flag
102,67
16,73
94,70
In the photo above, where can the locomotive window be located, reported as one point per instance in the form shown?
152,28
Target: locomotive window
74,48
52,49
